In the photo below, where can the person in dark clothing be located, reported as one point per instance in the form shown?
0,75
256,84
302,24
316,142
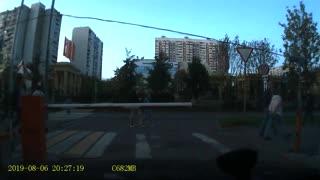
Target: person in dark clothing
266,101
147,111
308,108
136,112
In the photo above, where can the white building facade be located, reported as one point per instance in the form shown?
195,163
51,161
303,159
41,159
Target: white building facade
182,50
88,52
277,71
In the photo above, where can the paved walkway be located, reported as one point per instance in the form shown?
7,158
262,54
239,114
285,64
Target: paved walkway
280,148
276,149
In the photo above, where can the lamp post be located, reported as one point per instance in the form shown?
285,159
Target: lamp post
47,54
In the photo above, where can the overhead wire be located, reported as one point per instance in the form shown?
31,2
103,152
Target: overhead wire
144,26
164,29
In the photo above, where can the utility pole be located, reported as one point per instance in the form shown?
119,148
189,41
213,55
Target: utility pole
46,80
245,88
11,84
298,114
245,53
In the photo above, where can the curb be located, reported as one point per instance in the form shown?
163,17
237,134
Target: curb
304,159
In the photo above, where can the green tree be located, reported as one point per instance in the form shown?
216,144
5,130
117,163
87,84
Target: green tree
104,93
159,79
234,58
199,77
263,53
301,45
126,79
180,83
87,89
223,55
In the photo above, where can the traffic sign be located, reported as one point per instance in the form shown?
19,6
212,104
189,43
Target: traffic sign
264,69
245,52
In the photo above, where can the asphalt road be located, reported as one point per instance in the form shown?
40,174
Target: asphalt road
172,145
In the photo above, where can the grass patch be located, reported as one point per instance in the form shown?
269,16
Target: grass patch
291,120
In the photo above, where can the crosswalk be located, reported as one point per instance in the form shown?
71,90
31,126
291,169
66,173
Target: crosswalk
93,144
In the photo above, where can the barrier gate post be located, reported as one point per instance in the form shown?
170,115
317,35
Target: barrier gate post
33,135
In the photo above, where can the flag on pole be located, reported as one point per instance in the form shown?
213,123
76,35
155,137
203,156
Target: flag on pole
69,49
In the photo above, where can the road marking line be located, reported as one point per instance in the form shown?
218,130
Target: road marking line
219,146
79,149
67,143
59,138
98,149
53,133
143,150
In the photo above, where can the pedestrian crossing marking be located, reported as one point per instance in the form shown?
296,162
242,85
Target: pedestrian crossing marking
54,133
93,145
59,137
220,147
79,149
67,143
143,150
98,149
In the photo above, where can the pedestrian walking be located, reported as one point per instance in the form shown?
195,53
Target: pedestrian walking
308,108
136,113
274,121
266,101
147,112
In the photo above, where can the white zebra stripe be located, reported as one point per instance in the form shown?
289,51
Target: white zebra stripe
219,146
143,150
98,148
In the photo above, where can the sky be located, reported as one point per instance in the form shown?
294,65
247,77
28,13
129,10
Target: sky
249,19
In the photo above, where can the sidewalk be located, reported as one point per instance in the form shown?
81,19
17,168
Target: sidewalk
62,118
279,150
65,116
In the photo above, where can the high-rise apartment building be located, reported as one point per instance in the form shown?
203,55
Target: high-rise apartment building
88,53
182,50
31,35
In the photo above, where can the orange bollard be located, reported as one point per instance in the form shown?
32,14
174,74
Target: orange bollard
298,132
33,136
